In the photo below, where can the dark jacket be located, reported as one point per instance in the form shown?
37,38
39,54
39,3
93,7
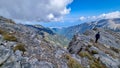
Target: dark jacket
97,35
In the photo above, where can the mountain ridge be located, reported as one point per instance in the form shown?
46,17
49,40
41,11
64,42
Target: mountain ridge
112,24
31,46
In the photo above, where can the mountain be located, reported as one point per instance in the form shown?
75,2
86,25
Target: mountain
104,54
113,24
51,36
26,46
34,46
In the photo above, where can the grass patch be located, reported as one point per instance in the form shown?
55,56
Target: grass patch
72,63
97,64
20,47
9,37
2,32
85,54
94,63
89,46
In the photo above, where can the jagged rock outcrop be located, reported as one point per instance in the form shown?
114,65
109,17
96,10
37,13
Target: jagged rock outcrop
104,54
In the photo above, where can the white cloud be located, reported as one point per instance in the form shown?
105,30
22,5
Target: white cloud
32,10
82,18
111,15
115,14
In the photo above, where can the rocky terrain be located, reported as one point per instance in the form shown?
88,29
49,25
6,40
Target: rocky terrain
104,54
28,46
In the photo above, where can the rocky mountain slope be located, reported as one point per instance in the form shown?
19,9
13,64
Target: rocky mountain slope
28,46
51,36
104,54
113,24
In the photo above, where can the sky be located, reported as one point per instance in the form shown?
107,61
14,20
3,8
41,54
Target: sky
94,7
59,13
89,10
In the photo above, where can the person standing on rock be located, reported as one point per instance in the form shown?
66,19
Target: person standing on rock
97,36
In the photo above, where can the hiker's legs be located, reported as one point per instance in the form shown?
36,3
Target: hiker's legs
96,40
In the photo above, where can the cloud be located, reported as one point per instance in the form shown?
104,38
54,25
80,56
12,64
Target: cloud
110,15
82,18
34,10
115,14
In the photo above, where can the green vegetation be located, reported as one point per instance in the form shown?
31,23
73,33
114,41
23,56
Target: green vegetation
94,63
9,37
89,46
1,64
20,47
85,54
94,52
72,63
97,64
2,32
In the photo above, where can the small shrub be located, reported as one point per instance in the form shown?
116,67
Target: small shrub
94,52
72,63
20,47
9,37
89,46
85,54
2,32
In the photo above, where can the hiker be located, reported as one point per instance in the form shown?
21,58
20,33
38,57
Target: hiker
97,36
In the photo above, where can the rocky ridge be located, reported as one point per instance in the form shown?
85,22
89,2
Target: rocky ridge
104,54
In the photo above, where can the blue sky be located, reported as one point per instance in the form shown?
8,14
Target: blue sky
94,7
86,8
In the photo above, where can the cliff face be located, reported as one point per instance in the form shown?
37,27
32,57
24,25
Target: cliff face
104,54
